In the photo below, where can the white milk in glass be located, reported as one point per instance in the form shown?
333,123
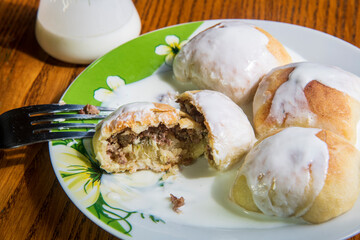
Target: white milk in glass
80,31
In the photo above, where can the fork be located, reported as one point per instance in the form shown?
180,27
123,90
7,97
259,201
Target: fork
33,124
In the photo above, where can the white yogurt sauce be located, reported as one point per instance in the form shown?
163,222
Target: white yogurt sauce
205,192
290,101
229,127
159,87
137,111
137,108
235,75
280,170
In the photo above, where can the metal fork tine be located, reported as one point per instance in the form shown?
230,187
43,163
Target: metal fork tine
60,117
44,136
61,126
49,108
53,108
18,127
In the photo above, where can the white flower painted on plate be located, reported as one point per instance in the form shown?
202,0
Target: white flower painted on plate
78,173
114,82
171,49
87,183
80,176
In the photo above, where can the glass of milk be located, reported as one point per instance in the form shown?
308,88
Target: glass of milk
80,31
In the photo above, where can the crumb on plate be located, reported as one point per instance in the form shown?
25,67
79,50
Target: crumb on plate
177,203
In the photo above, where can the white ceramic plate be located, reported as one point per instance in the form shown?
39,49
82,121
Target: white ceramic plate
137,206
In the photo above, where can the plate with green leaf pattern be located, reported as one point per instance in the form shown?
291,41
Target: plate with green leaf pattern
137,206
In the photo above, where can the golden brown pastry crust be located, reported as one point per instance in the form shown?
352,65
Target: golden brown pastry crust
341,188
236,63
276,48
129,119
342,184
334,110
136,118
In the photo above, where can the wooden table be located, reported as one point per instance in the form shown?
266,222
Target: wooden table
32,203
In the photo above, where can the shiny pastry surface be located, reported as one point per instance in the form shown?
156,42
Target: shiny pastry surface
230,133
308,94
230,57
299,172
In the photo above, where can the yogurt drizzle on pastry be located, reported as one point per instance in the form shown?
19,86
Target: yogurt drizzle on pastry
290,97
286,171
231,56
137,111
230,130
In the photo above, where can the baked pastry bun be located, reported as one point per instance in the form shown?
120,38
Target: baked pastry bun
147,136
230,57
308,95
230,133
299,172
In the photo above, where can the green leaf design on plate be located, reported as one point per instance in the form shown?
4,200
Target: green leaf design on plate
117,218
156,219
88,175
131,61
110,218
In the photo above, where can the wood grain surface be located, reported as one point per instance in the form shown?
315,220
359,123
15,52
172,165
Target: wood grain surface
32,203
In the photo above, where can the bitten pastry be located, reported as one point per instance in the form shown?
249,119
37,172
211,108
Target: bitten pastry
147,136
230,133
308,95
230,57
299,172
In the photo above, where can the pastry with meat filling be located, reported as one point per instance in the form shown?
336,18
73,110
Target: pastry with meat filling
147,136
230,57
229,132
308,94
299,172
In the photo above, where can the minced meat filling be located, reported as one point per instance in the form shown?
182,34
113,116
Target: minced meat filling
208,153
160,134
177,139
121,140
177,202
190,109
